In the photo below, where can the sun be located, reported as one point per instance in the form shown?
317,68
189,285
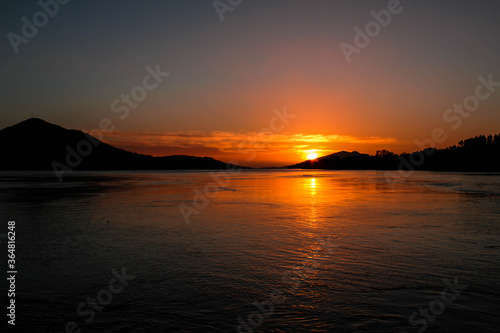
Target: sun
312,156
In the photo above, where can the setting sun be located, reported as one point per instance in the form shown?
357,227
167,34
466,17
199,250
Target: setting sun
312,156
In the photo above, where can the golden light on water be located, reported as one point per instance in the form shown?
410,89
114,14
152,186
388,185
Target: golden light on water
312,186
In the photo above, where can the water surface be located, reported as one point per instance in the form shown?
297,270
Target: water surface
348,251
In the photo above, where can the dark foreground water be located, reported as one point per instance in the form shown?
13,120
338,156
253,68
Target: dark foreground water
269,251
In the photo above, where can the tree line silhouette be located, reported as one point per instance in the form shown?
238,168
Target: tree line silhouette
477,154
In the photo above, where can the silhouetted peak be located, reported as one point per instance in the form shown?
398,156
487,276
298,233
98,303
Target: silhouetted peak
33,124
35,144
33,121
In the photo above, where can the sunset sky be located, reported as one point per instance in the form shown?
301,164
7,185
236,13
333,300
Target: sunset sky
229,79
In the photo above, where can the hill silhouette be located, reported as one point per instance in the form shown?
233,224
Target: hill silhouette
478,154
344,160
35,144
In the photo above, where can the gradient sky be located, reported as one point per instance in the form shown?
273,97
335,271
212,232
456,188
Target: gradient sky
226,77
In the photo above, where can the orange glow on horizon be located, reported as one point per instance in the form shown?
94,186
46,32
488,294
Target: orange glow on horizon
249,148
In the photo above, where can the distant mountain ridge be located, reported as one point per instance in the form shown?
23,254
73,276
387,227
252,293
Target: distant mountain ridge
478,154
341,154
35,144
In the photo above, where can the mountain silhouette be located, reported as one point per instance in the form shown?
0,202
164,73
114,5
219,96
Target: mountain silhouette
341,154
344,160
478,154
35,144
